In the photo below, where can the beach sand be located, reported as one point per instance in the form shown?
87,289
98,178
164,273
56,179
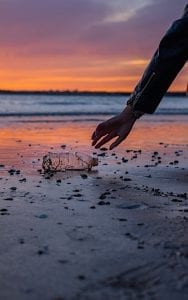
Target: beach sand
118,232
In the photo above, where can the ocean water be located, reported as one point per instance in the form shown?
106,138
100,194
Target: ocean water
84,106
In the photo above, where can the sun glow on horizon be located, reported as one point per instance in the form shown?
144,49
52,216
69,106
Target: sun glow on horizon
120,77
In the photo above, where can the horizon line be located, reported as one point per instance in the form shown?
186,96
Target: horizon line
75,91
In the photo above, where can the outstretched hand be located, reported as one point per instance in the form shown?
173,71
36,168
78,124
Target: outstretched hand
118,126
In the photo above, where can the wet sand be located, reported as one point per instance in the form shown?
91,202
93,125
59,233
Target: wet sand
118,232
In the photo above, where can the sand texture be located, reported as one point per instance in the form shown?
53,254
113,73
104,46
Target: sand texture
117,232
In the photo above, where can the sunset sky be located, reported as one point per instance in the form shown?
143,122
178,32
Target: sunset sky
82,44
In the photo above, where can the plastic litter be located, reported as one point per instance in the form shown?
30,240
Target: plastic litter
55,162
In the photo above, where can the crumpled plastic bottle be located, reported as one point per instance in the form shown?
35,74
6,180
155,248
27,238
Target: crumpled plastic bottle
54,162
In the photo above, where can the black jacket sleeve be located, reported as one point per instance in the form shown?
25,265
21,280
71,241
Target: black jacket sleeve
168,60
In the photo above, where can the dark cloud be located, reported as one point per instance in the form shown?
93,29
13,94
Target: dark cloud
37,21
137,36
77,27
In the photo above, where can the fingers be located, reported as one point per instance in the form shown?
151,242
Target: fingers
117,142
94,135
96,138
98,133
105,140
99,128
103,129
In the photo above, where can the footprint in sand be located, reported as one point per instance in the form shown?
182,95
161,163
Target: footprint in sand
134,206
79,236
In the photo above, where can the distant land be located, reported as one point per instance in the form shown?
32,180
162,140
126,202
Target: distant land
79,93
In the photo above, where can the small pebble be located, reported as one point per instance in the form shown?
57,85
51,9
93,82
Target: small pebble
101,203
13,188
84,176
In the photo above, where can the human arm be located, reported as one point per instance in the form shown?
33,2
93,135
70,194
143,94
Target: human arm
167,61
164,66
